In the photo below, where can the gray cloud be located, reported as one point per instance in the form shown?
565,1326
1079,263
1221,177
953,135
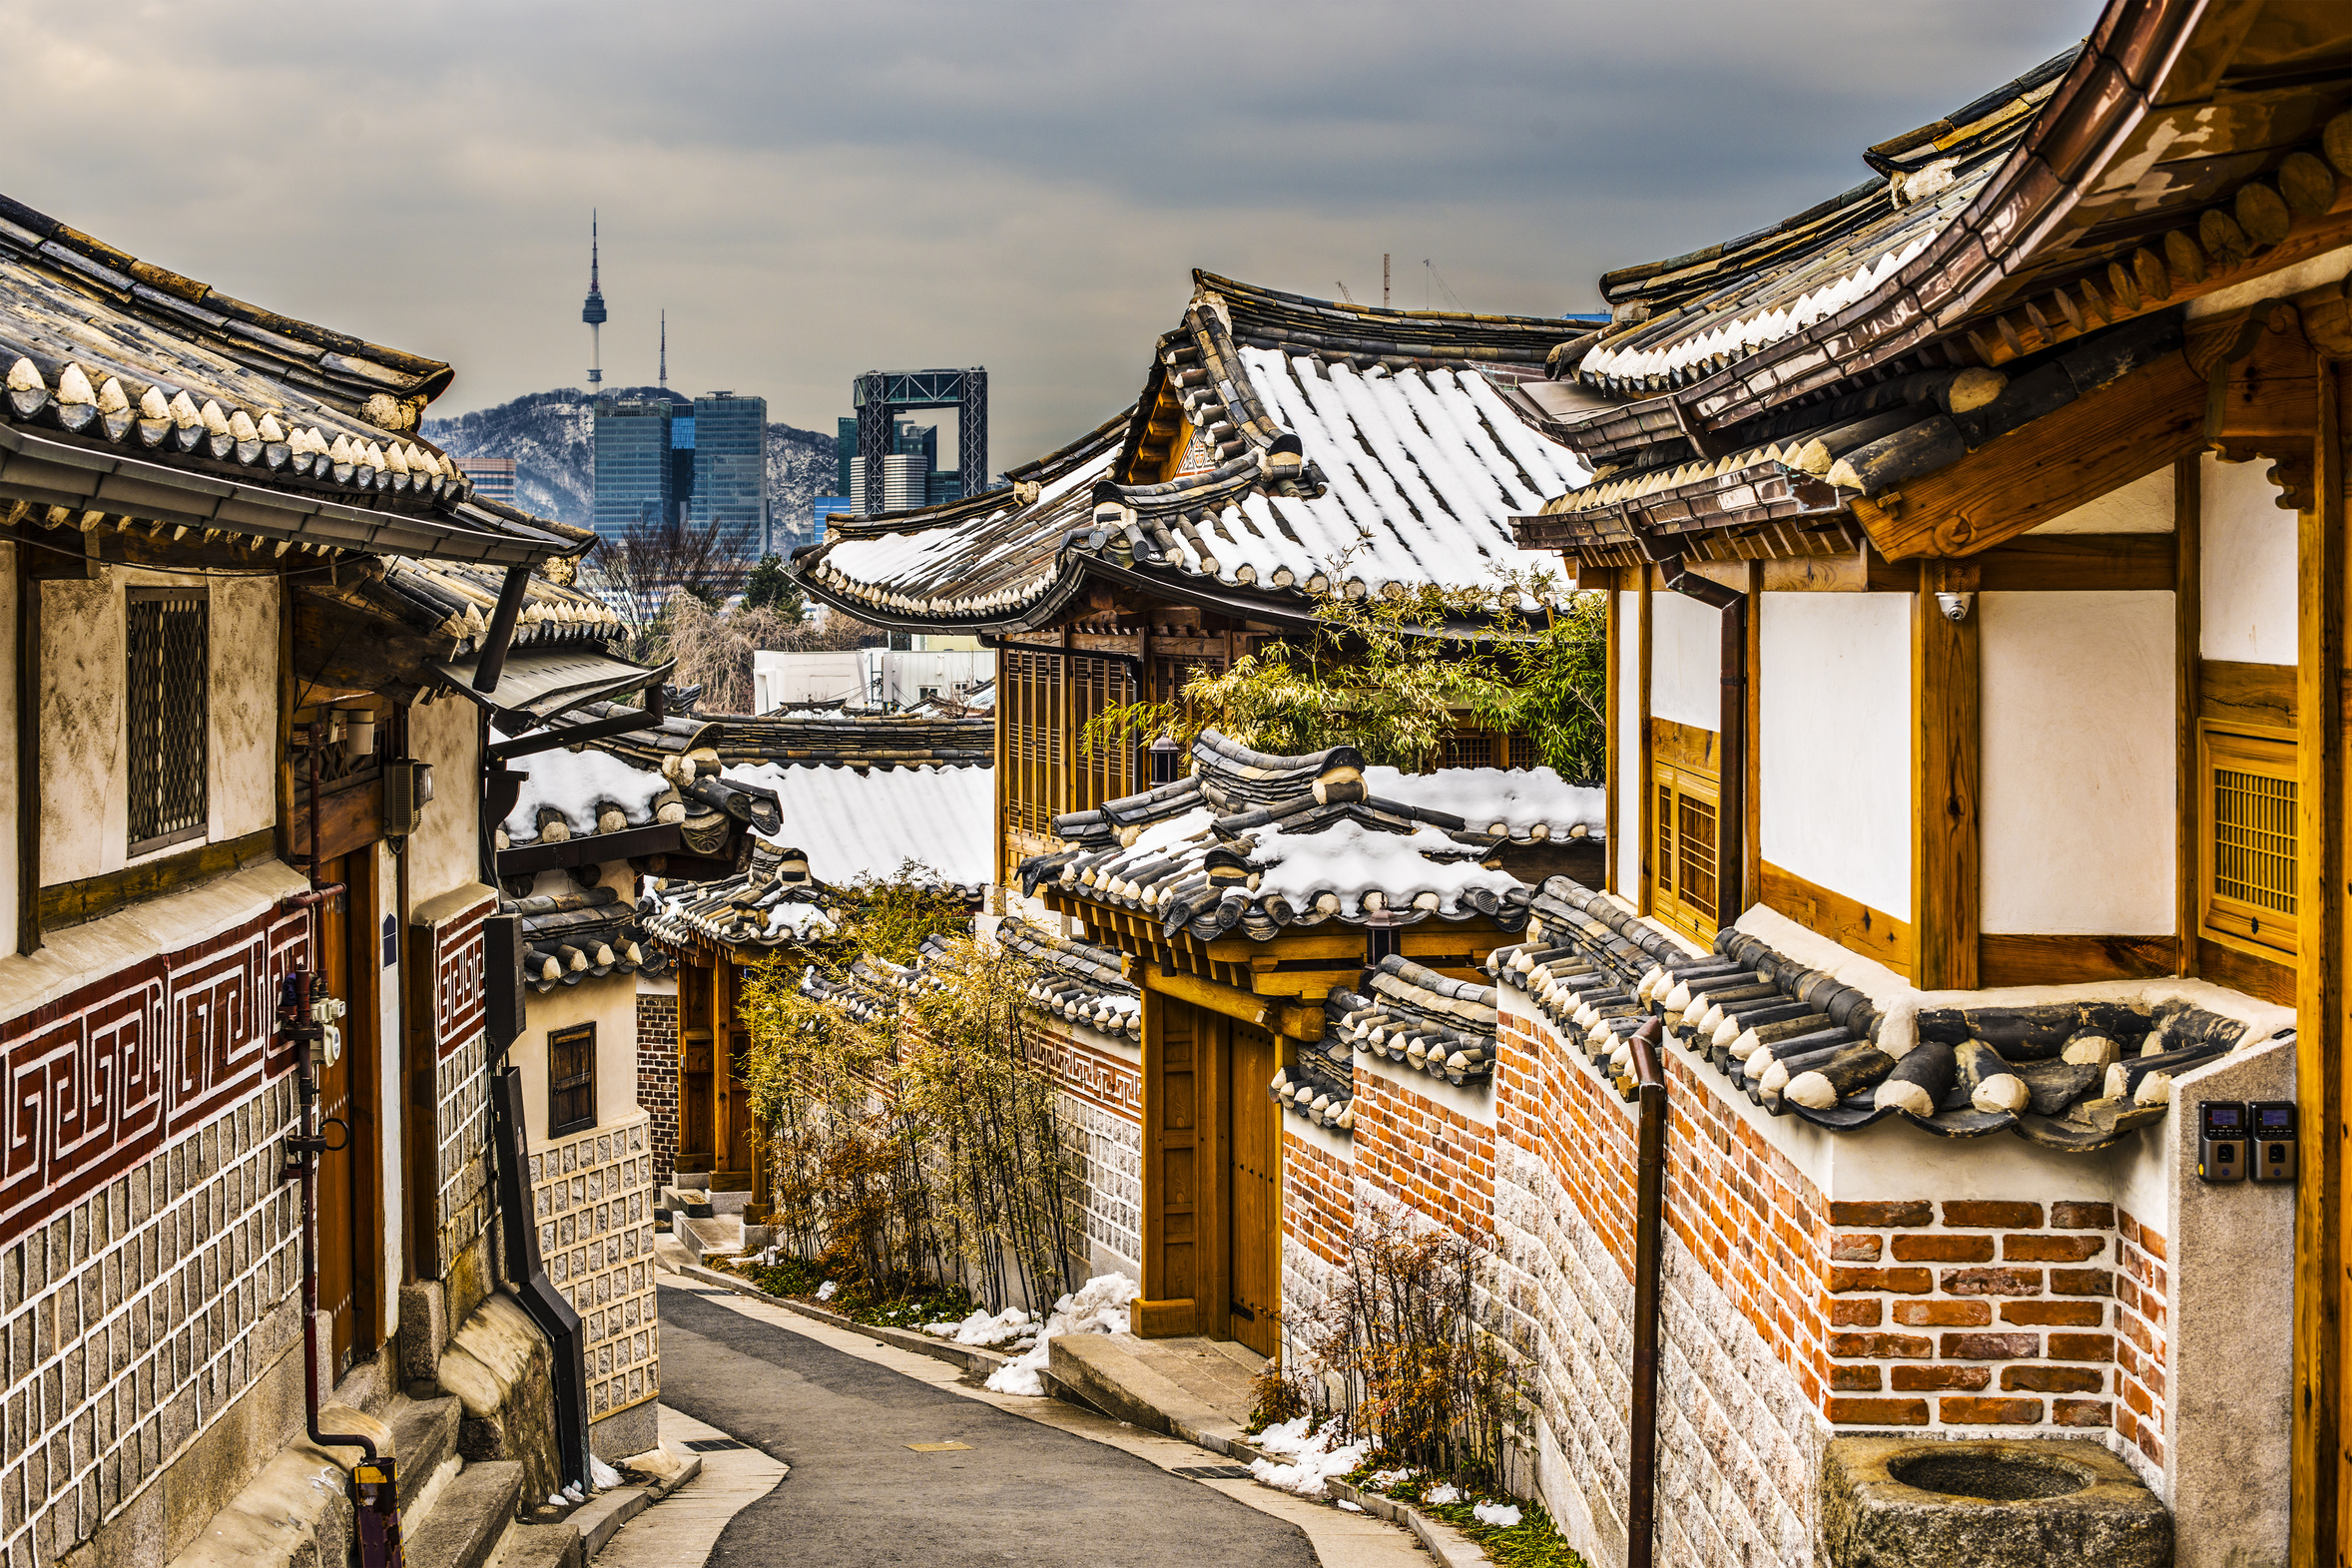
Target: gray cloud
815,190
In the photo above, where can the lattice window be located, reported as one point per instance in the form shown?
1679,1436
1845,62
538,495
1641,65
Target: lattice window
2248,850
1684,869
571,1080
168,716
1466,749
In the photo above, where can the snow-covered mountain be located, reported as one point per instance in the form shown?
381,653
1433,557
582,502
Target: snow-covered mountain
551,436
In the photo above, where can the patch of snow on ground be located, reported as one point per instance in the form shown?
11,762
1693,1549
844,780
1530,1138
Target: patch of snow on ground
1351,1507
1099,1307
1313,1460
604,1476
1500,1515
986,1329
1381,1480
825,1290
1442,1493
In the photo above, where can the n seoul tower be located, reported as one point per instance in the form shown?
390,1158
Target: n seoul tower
593,311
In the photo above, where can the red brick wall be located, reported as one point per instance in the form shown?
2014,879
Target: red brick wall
657,1080
1318,1197
1428,1157
1971,1313
2142,1292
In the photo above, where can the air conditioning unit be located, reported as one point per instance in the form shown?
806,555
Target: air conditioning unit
407,787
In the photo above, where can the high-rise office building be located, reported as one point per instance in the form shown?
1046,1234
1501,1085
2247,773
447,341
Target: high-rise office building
493,478
636,470
731,467
912,475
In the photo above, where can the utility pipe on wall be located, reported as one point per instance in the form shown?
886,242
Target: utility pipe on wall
1649,1243
1731,784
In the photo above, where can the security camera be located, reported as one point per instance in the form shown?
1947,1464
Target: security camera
1955,606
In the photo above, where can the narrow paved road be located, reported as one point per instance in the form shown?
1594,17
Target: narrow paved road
1022,1494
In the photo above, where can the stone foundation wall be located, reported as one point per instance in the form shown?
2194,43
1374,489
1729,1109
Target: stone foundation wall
1101,1112
657,1080
593,1196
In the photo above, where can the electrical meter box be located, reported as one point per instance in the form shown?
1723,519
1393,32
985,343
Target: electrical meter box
2221,1141
2273,1126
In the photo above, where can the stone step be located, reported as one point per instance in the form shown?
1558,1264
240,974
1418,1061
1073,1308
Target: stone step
472,1512
424,1435
540,1546
1186,1393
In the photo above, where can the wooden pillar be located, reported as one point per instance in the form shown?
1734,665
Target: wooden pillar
1612,725
2321,1491
1644,791
2188,630
1946,851
1065,798
28,753
1004,779
1752,745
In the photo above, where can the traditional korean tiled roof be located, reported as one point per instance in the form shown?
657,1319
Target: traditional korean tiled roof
129,391
1260,842
1077,981
1325,446
2075,1072
772,902
855,798
581,934
2172,154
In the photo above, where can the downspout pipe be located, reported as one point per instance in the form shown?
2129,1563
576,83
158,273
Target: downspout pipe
1731,784
1650,1242
500,635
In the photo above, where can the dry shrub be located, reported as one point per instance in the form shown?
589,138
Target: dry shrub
1420,1377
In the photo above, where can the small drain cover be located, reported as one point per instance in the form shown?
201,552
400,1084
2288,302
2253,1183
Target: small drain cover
1210,1473
938,1447
714,1444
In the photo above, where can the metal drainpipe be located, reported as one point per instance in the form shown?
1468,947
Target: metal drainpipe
1731,784
1649,1244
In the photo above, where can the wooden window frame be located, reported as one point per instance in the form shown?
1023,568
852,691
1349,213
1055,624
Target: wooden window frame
560,1084
2242,926
202,700
1668,907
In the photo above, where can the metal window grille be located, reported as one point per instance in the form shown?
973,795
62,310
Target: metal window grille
571,1080
168,716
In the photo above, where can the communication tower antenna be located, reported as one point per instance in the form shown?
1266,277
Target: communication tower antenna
593,311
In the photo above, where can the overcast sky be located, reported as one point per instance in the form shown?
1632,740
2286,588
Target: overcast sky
815,190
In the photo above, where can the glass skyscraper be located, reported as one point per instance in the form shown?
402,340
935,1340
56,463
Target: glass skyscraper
636,475
731,467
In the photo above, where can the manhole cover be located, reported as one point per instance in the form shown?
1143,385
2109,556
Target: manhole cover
938,1447
1210,1473
714,1444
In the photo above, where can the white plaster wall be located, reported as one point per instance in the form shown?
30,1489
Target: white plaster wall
2145,506
1627,849
2078,758
1834,748
85,819
610,1003
2247,545
1685,674
445,852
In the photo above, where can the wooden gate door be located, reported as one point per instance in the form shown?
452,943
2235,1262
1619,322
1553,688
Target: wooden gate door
738,1155
1173,1220
1254,1233
336,1220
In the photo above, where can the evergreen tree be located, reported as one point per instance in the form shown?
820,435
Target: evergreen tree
771,588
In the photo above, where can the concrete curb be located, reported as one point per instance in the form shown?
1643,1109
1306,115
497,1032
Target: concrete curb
1444,1542
602,1516
971,1358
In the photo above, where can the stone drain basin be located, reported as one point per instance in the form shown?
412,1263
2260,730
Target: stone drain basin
1889,1502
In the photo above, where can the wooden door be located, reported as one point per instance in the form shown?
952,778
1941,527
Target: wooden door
337,1220
1172,1185
738,1155
1254,1234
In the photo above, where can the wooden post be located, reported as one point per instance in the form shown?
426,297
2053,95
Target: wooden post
2320,1491
1004,779
1066,798
28,756
1646,835
1612,724
2188,630
1752,745
1946,858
